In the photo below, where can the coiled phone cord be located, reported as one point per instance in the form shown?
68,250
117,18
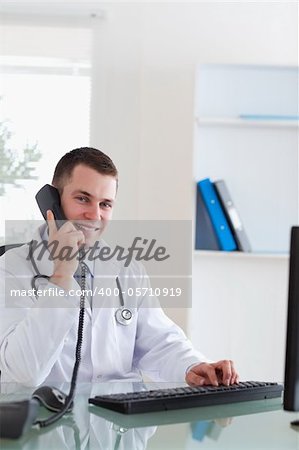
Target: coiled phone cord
70,397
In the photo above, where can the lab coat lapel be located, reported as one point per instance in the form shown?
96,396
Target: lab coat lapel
105,288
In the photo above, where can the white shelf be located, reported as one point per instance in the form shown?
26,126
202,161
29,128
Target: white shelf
237,122
258,158
246,133
239,255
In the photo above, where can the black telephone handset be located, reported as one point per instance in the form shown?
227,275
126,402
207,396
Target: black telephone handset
17,417
48,198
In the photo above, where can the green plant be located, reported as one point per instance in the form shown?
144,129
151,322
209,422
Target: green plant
14,165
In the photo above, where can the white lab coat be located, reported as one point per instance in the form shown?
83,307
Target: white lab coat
38,336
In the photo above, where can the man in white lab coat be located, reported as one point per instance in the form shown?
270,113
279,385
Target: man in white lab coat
38,333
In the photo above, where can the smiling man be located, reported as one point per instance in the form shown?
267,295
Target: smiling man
87,188
38,334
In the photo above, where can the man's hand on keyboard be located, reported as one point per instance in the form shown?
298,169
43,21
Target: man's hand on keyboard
221,372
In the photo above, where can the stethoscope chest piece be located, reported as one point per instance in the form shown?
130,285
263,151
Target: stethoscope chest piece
124,316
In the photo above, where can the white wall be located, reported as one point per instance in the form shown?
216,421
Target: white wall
239,311
145,58
143,96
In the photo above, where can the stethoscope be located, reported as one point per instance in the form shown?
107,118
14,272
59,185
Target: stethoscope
123,315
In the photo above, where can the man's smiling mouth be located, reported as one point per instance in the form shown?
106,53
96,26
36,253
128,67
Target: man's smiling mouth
84,227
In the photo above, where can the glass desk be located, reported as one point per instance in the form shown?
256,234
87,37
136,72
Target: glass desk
252,425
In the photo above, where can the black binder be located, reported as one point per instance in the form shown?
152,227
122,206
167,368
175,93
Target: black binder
232,216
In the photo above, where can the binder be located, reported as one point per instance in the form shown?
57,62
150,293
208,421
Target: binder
205,238
219,222
232,216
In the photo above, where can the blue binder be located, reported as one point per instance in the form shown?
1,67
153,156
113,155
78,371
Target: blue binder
200,429
221,227
205,237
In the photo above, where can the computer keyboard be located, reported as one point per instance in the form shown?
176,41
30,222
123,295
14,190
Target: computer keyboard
187,397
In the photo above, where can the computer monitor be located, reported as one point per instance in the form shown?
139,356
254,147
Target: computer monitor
291,380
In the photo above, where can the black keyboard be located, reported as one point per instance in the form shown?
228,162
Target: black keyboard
187,397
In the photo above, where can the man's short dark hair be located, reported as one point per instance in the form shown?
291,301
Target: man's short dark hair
88,156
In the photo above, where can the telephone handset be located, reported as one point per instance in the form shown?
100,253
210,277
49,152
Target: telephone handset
48,198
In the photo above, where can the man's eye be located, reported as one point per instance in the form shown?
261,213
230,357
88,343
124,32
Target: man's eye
82,199
106,205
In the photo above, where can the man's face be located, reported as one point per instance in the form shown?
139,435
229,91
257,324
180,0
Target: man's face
87,200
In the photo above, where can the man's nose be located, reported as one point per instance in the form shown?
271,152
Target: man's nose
93,213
